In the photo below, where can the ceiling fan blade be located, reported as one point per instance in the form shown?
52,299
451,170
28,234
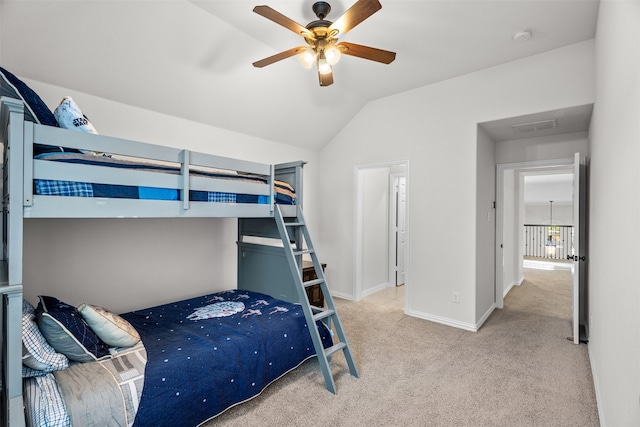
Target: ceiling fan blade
379,55
278,57
326,79
361,10
286,22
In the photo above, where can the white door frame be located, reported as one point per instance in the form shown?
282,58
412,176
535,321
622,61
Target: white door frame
358,225
500,170
393,244
579,263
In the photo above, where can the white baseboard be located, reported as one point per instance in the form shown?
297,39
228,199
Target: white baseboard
516,283
443,320
506,291
430,317
381,286
342,295
485,316
594,374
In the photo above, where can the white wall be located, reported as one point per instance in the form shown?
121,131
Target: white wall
485,225
614,291
1,15
435,127
375,237
542,148
124,264
510,230
539,214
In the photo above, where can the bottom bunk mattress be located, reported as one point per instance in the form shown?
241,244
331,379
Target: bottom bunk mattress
203,356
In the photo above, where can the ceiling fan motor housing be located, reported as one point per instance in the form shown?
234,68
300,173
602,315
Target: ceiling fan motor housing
321,9
320,27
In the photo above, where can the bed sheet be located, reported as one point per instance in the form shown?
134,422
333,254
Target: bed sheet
284,193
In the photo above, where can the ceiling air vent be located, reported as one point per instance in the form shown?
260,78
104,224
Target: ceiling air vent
534,126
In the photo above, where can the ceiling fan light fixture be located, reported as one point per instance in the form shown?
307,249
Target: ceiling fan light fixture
323,65
332,54
307,57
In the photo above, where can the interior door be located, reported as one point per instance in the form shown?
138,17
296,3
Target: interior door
401,230
579,250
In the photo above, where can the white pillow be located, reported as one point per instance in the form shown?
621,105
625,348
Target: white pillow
69,116
111,328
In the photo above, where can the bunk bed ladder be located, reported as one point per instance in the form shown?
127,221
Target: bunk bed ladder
312,313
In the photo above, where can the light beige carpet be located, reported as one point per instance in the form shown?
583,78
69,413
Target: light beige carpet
518,370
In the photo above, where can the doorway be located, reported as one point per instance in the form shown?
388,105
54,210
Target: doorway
381,233
547,237
516,240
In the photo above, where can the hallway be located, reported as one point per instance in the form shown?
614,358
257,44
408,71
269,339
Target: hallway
391,297
546,289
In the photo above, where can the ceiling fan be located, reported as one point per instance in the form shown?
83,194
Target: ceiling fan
321,37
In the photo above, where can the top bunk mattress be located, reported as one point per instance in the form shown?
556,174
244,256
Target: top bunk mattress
284,193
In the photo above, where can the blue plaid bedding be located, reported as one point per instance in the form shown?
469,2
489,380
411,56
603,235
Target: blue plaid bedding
284,193
63,188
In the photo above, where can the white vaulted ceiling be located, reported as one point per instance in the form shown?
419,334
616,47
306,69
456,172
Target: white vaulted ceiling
192,59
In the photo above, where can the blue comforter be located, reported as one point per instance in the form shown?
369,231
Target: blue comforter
208,353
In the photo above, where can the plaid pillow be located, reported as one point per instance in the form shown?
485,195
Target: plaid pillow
38,357
67,332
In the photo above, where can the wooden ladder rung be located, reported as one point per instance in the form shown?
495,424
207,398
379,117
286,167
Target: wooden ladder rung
294,224
303,252
312,282
323,314
334,348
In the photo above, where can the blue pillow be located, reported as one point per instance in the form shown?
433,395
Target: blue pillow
35,108
67,332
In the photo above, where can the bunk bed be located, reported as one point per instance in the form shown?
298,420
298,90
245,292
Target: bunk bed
49,172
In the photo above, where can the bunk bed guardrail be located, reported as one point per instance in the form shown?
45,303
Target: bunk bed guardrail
26,134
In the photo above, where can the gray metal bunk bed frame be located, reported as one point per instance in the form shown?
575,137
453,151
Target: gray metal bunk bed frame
281,265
